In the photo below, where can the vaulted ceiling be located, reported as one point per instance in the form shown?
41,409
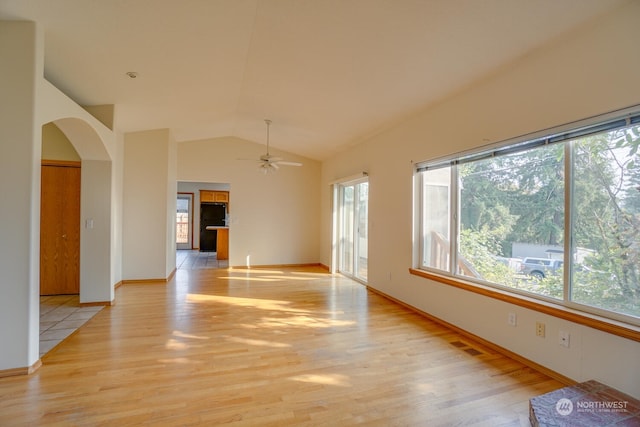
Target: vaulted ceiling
329,73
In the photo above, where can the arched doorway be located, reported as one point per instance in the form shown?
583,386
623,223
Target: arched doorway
60,189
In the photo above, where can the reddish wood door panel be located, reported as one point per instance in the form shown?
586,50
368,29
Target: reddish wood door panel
60,230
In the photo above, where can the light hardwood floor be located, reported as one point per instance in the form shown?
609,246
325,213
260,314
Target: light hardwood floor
270,348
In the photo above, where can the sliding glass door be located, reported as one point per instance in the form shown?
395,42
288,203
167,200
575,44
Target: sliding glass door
353,203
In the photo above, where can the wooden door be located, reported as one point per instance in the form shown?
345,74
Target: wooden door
60,229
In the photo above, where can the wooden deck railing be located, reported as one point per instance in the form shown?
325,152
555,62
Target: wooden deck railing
441,253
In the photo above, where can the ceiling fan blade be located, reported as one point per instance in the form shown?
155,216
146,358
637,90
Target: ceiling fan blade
269,158
269,163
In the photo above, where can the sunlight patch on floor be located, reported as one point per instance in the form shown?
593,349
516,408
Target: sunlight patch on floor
249,279
326,379
283,277
263,304
254,271
180,361
305,321
259,343
183,335
176,345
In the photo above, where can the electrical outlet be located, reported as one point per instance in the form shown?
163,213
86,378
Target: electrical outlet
563,337
540,329
512,319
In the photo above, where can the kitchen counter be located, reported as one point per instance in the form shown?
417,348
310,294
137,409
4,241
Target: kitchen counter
222,240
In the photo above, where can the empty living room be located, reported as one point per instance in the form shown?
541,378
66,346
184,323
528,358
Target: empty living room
272,213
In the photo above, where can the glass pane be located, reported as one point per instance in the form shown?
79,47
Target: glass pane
606,226
512,220
346,235
363,215
435,218
182,220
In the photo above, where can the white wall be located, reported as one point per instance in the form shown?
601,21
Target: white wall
117,210
56,145
96,258
171,191
21,56
274,218
27,103
589,72
149,205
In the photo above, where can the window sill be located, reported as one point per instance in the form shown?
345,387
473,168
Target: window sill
621,329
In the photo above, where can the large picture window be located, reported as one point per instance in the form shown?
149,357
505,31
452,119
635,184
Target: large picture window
556,217
606,213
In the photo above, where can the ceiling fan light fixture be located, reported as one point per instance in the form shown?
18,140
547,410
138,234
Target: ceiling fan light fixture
269,163
266,168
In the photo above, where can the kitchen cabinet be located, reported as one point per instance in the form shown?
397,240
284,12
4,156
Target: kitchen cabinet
216,239
214,233
209,196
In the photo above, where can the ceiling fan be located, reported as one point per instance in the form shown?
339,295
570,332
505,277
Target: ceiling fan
269,163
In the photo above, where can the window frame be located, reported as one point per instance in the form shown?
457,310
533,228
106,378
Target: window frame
600,318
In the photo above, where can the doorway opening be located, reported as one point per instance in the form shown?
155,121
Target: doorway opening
352,228
202,241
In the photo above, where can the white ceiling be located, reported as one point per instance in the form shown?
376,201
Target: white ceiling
327,72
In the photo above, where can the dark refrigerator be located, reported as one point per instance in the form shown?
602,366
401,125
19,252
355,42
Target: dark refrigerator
211,214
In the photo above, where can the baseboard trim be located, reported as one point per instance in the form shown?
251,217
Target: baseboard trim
117,285
144,281
98,303
27,370
149,281
495,347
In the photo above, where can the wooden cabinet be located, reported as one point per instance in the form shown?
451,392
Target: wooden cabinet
214,196
221,196
222,233
206,196
222,248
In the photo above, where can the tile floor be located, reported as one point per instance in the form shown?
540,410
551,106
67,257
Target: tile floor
195,260
60,316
